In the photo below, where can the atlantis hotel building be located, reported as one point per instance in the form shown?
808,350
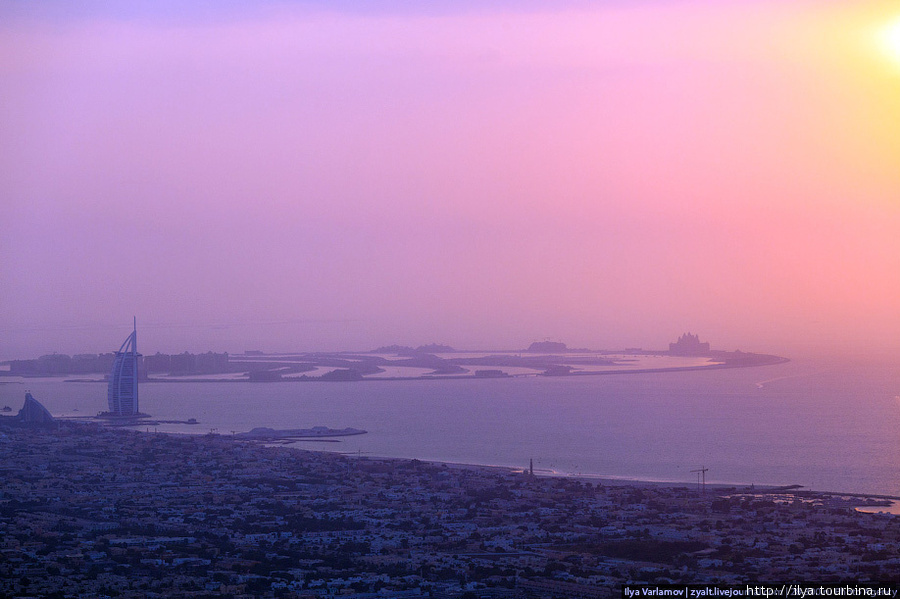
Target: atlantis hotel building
123,379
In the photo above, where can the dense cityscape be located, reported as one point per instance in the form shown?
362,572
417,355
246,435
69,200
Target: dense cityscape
91,510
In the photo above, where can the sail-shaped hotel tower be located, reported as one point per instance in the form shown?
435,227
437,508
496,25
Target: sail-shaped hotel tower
123,379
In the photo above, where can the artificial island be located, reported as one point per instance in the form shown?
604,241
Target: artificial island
394,362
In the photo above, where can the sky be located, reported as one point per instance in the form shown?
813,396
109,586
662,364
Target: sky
323,176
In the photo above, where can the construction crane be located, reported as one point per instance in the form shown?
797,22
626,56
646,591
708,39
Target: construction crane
701,471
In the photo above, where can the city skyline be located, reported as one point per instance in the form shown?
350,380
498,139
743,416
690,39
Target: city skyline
315,176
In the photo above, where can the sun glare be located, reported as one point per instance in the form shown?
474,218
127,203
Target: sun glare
889,40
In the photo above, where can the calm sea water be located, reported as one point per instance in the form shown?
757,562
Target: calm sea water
825,425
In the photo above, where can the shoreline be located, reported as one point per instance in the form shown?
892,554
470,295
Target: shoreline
794,490
187,513
621,481
600,478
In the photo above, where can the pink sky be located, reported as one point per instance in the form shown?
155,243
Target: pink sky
607,175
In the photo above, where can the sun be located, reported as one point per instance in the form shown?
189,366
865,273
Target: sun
889,40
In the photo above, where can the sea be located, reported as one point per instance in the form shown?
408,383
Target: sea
828,425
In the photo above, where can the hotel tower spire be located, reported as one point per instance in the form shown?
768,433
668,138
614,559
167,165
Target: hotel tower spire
123,378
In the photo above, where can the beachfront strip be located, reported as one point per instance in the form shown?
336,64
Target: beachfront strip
91,511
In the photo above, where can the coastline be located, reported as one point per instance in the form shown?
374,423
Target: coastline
624,481
173,513
494,437
602,479
288,442
539,473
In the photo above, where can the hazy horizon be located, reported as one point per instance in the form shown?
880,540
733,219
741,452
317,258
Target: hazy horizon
311,176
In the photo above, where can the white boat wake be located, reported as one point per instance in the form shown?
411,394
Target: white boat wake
761,384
